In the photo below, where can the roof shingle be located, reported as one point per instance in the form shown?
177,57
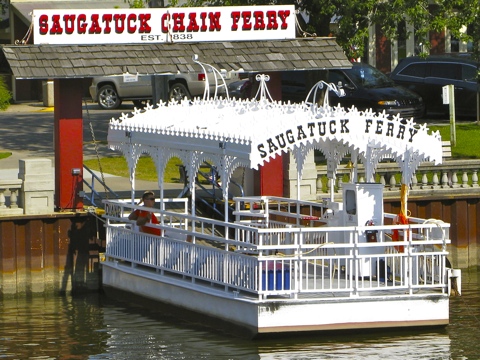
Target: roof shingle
63,61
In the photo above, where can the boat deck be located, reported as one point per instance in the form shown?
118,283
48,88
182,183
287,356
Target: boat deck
282,254
322,288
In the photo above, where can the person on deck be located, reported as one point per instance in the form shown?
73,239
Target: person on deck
143,217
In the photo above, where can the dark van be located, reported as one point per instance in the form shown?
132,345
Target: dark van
427,76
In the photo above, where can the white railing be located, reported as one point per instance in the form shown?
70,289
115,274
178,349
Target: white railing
9,193
451,176
292,261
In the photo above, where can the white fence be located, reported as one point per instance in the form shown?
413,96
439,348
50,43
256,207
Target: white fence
282,258
457,176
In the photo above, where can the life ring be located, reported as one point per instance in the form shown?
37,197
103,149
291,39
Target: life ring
400,219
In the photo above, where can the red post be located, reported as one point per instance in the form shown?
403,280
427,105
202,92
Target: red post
68,140
270,178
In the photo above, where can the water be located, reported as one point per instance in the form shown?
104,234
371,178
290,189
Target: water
95,327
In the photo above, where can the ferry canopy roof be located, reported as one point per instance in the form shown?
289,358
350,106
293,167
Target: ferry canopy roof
251,132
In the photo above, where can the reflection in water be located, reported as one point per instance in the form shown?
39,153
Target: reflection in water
416,346
50,328
93,327
464,329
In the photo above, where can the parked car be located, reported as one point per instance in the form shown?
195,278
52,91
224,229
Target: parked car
241,89
110,91
365,88
427,76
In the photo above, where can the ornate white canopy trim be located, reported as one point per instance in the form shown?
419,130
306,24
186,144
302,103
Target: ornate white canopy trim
251,132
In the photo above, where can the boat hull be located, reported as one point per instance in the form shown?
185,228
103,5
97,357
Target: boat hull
279,315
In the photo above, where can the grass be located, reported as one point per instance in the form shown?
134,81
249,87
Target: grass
467,147
145,169
4,155
467,136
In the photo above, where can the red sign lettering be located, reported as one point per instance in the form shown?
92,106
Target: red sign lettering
96,26
144,27
261,20
71,23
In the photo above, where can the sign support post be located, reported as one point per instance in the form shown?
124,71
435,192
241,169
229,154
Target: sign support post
449,98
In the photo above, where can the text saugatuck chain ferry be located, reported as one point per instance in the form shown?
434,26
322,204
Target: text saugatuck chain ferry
161,25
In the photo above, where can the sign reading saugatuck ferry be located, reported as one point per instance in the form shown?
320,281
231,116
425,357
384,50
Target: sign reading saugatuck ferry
81,26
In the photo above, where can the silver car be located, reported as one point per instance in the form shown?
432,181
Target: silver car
110,91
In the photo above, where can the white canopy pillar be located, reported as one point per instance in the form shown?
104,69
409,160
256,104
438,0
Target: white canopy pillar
132,153
369,165
132,185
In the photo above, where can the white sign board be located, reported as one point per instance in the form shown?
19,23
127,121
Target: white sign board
128,78
120,26
446,94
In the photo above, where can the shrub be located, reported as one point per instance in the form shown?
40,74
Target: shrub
5,95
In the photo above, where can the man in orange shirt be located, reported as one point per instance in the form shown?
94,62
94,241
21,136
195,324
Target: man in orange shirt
143,217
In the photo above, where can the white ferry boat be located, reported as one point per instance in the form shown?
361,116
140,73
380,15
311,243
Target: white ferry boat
277,264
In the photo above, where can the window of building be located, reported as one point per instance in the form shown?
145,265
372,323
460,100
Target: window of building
454,44
419,48
402,40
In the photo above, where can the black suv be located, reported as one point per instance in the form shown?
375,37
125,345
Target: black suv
427,76
365,88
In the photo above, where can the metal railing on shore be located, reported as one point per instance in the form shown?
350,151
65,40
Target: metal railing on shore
452,176
9,193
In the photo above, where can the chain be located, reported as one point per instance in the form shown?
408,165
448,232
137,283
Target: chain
96,150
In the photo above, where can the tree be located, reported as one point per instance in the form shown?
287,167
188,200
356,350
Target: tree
5,95
355,16
137,4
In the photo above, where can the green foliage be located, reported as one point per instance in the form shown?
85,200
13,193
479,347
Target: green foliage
137,4
5,95
353,17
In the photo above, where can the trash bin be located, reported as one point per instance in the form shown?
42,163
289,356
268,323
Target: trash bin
274,272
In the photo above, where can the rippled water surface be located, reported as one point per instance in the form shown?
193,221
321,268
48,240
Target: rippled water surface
94,327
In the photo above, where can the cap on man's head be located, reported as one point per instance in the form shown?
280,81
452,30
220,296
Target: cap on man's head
148,193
